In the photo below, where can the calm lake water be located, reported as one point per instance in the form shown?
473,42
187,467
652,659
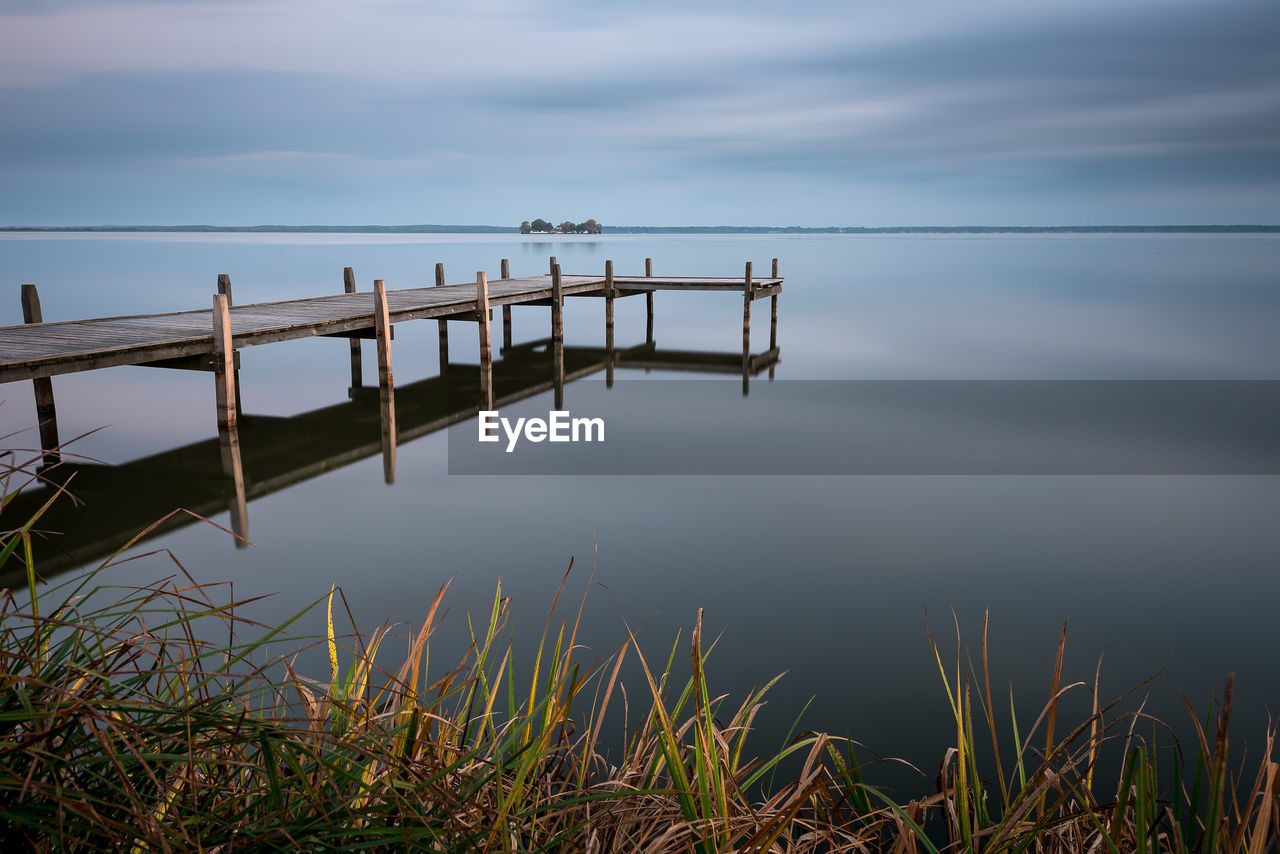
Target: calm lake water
832,579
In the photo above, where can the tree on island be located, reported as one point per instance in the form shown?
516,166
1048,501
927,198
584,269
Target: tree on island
541,226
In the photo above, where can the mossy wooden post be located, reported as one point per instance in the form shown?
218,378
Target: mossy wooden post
224,365
648,304
382,334
224,287
357,367
444,325
773,315
557,335
46,411
746,331
486,351
506,309
233,470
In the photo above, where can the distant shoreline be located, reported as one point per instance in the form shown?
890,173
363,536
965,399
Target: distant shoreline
655,229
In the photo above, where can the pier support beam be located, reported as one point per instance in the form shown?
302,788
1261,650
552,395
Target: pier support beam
746,332
648,304
557,335
46,411
224,368
382,333
357,368
444,326
609,294
486,350
224,287
773,320
505,272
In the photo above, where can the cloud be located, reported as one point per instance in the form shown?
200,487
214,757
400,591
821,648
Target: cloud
1051,102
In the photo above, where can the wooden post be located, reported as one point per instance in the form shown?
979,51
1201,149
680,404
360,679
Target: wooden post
382,334
486,352
553,263
609,294
648,304
444,326
46,411
224,287
773,317
233,470
557,335
506,309
224,371
357,367
746,331
387,422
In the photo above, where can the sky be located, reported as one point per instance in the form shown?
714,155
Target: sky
809,112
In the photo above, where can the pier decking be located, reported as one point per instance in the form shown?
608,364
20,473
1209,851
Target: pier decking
48,349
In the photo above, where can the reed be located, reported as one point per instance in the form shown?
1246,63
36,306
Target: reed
124,727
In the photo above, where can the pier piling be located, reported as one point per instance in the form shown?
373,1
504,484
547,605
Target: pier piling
505,273
382,334
357,368
224,369
486,351
444,325
557,334
648,304
46,411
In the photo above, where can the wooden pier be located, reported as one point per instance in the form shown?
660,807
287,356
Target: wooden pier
208,339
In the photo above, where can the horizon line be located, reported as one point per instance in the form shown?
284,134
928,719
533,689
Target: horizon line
623,229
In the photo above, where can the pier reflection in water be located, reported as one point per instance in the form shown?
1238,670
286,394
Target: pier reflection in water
264,454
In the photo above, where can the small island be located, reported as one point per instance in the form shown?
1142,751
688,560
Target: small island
541,226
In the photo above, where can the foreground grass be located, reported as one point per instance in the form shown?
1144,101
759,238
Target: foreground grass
123,727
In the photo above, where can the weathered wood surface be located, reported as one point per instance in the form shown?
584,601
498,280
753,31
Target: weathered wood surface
48,349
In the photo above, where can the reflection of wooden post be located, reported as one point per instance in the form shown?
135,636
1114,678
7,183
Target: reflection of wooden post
46,412
357,368
224,287
382,334
233,470
557,335
444,325
773,316
648,304
486,352
746,330
506,309
224,370
387,420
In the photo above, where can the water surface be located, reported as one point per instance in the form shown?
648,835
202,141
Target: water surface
830,578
